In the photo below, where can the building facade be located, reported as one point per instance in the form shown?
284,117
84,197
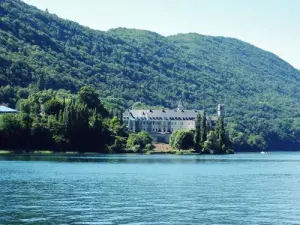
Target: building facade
161,123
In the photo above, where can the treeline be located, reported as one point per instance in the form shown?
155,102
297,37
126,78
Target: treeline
203,139
59,121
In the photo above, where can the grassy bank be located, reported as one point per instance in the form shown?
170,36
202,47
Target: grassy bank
161,148
41,152
173,152
5,152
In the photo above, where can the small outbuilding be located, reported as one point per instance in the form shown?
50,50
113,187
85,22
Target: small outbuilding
6,110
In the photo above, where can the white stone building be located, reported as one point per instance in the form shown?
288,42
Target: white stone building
161,123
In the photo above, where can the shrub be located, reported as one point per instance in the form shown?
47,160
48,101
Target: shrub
141,139
182,139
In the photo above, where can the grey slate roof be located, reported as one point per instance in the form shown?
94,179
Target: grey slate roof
166,114
4,109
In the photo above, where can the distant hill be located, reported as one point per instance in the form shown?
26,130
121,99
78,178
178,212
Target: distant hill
261,92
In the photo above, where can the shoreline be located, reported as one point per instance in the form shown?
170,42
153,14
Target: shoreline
155,152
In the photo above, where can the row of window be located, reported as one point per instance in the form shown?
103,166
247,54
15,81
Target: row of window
159,118
157,129
165,118
172,123
161,130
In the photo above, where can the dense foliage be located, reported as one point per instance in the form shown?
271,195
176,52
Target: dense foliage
139,142
203,139
60,122
182,139
39,51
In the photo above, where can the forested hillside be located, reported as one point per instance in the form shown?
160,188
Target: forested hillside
39,51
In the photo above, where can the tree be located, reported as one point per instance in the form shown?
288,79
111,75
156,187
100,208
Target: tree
65,125
14,134
203,128
88,96
41,83
53,106
41,136
144,139
172,139
182,140
57,130
139,141
197,135
116,127
220,133
100,137
10,122
257,141
77,126
118,145
210,144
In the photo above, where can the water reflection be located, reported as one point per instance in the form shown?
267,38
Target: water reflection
140,158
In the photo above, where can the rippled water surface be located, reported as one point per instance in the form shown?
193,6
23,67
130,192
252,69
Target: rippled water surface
160,189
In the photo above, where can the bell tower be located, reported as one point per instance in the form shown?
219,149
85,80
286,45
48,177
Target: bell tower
221,112
180,105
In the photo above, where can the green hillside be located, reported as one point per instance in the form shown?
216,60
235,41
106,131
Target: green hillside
38,51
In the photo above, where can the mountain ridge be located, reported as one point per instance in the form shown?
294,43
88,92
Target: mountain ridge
261,91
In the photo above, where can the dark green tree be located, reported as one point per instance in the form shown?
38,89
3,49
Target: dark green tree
89,97
53,106
41,83
66,125
220,133
139,141
203,128
197,135
182,140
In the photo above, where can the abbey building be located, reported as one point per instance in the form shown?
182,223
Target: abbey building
161,123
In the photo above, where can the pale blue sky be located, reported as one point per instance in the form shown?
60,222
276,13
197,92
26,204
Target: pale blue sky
273,25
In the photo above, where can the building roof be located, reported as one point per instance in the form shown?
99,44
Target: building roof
4,109
162,114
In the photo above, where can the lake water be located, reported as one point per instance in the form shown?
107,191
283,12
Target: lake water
159,189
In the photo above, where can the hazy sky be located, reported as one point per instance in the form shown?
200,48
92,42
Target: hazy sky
273,25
